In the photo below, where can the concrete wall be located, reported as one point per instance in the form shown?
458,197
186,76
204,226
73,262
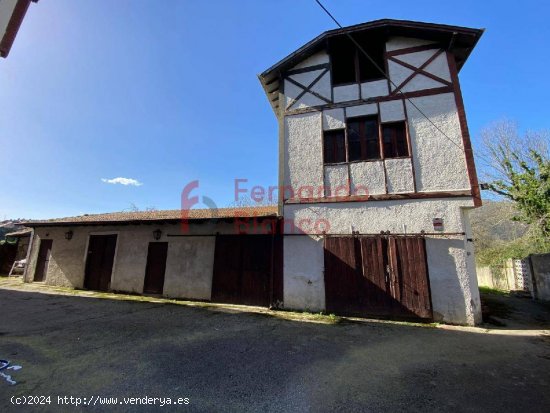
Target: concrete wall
455,297
304,283
189,264
303,151
541,275
439,161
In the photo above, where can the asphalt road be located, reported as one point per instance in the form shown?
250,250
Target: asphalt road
89,347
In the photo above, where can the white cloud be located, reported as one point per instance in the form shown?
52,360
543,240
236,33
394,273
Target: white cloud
122,181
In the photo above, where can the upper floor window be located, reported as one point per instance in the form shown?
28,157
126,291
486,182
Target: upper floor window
350,65
334,146
395,140
364,140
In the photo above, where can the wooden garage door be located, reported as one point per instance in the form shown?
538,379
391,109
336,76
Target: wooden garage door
155,268
380,276
99,262
243,268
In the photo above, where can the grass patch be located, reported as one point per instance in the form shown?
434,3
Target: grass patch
493,291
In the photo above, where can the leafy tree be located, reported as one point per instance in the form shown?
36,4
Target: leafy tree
519,170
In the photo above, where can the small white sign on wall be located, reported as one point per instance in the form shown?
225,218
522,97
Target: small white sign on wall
438,224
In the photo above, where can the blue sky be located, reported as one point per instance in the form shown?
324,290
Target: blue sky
166,92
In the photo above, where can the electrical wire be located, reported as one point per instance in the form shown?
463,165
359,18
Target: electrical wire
387,77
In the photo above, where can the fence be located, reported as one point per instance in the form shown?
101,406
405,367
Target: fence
531,274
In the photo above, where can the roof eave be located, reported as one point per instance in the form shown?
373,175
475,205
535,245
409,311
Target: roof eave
268,75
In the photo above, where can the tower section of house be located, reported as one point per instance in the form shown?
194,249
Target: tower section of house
378,173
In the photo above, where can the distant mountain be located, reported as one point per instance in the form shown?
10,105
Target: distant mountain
493,223
8,226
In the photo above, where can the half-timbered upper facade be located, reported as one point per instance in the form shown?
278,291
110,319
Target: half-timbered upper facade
373,139
387,126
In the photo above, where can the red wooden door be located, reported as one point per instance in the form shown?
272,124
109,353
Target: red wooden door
99,262
376,298
155,268
410,284
242,269
44,254
342,276
380,276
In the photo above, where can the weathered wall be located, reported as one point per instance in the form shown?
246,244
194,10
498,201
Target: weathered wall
189,268
373,217
303,151
439,162
304,284
455,297
541,275
189,264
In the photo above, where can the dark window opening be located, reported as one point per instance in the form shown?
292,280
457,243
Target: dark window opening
335,146
363,141
370,70
350,65
394,139
343,63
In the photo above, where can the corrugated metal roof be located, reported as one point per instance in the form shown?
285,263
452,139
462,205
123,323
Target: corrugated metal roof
156,216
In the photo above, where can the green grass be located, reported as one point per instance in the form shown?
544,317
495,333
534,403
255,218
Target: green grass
493,291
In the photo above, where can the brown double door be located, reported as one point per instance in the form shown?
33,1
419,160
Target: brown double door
99,262
44,254
155,268
379,276
245,270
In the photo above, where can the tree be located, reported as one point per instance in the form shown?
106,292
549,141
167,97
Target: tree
518,168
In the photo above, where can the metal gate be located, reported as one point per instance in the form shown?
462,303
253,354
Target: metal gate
383,276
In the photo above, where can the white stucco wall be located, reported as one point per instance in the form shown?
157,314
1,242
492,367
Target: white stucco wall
398,42
292,91
439,164
315,59
322,87
399,175
438,67
375,216
455,298
303,151
336,180
361,110
392,111
334,119
346,93
368,174
304,284
374,89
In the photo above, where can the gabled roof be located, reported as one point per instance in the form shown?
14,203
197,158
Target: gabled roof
458,40
172,215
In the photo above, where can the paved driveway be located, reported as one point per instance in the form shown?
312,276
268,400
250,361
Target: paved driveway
87,347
